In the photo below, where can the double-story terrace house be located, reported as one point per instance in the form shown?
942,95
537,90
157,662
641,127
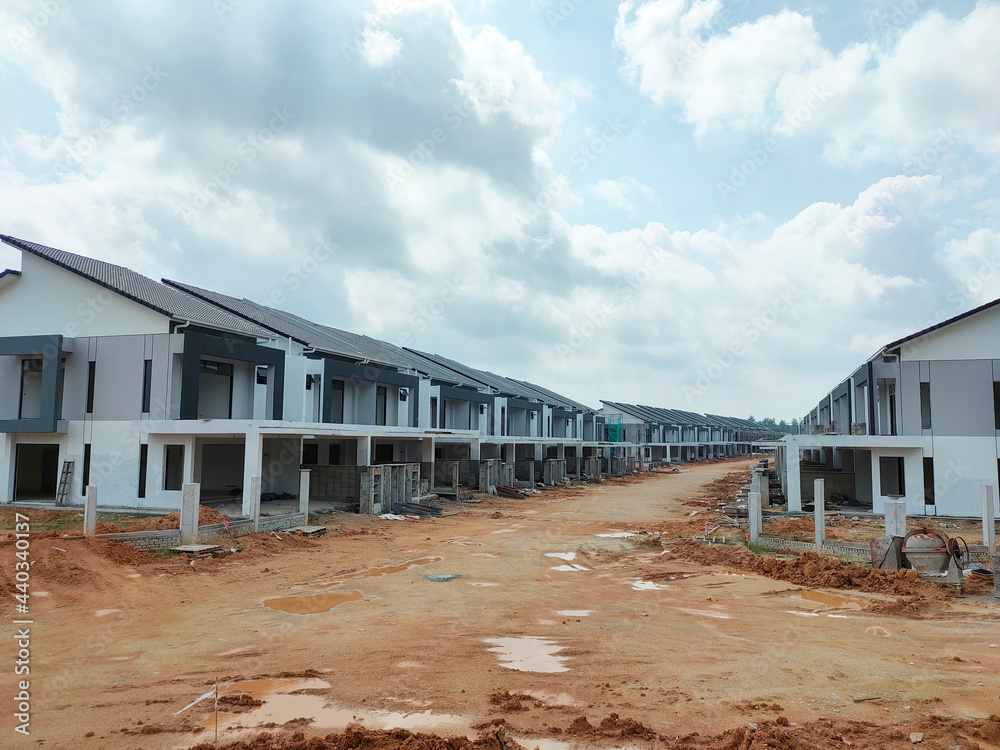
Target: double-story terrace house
918,422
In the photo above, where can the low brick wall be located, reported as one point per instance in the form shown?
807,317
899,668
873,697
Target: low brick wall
849,550
151,541
340,484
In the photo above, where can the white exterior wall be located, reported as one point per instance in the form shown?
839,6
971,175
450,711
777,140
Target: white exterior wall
974,337
47,300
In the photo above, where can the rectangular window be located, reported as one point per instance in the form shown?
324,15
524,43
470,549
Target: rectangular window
143,460
928,481
434,413
86,466
337,402
91,375
891,479
996,404
215,393
147,385
503,420
262,376
310,454
173,467
925,406
31,389
383,454
380,398
334,459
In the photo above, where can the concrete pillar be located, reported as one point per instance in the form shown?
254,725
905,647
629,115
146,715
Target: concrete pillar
989,520
304,495
454,475
253,459
560,450
364,451
90,511
756,516
255,502
793,480
190,500
895,518
819,508
474,452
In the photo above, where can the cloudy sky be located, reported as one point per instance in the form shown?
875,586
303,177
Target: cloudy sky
714,206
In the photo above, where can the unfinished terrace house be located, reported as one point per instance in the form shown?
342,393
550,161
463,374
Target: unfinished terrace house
919,422
668,435
111,379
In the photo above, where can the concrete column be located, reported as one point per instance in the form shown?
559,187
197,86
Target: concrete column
190,500
304,495
364,451
253,459
255,502
793,479
474,452
755,515
989,520
560,451
895,518
819,508
90,511
454,475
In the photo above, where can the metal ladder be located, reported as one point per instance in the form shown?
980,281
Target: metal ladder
64,479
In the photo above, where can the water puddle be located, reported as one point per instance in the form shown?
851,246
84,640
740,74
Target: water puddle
312,604
820,597
706,613
567,556
575,612
442,577
542,744
877,631
618,535
106,612
572,568
279,707
802,614
373,573
641,585
528,654
234,651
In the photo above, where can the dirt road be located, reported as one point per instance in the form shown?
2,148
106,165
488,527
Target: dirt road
617,624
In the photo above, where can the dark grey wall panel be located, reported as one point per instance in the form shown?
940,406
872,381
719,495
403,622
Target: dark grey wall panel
962,398
908,399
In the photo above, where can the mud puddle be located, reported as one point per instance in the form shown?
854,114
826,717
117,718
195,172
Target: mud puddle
821,597
570,568
373,573
528,654
279,706
313,604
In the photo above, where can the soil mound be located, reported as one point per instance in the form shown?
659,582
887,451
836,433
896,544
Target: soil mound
206,517
814,570
356,737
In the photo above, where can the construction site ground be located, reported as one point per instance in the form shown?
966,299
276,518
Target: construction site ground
643,641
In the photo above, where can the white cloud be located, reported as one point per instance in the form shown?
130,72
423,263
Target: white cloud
623,192
896,99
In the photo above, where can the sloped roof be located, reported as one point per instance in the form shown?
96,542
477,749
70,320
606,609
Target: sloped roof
943,324
498,383
158,297
270,319
326,338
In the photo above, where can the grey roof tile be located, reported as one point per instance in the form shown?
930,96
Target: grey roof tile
165,300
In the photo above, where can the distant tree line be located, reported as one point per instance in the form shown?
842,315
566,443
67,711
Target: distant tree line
782,426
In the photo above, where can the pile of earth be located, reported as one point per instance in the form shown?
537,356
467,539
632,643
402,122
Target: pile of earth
822,734
813,570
